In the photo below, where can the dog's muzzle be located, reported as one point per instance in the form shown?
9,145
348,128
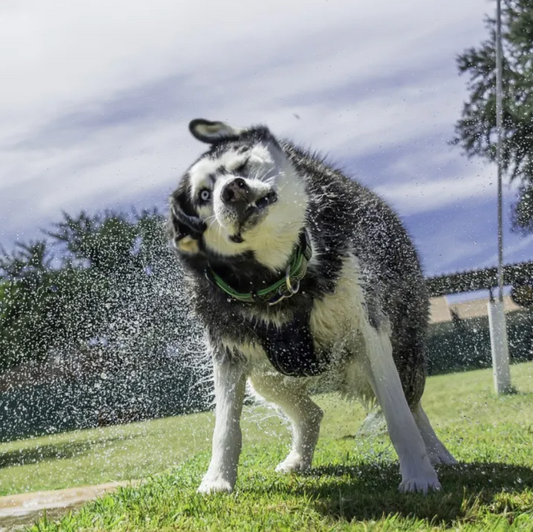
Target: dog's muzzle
244,202
237,195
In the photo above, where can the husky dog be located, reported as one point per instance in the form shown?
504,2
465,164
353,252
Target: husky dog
298,274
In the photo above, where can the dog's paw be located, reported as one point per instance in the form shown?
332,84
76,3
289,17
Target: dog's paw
294,463
420,484
215,486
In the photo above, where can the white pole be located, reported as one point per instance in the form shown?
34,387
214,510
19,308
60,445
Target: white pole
500,348
498,330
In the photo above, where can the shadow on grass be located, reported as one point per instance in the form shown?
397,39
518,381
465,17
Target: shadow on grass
371,491
56,451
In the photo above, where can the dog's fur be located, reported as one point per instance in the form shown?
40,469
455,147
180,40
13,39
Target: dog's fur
361,311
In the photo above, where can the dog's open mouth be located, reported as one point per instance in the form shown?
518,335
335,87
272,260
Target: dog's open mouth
259,205
252,214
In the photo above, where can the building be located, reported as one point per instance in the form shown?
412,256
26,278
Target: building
441,310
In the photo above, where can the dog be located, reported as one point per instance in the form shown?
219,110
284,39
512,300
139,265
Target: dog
301,274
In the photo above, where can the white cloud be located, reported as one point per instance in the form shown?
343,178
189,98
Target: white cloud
96,99
515,249
416,197
68,54
128,157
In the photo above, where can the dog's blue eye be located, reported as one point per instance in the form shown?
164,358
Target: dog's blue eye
205,194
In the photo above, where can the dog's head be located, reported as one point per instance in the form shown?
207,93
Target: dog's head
242,195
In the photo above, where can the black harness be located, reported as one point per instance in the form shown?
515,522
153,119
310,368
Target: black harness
290,348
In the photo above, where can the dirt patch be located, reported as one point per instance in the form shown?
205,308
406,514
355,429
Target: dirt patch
17,511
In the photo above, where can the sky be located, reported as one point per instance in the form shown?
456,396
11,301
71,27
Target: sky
96,97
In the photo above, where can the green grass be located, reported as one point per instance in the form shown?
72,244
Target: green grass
352,486
138,450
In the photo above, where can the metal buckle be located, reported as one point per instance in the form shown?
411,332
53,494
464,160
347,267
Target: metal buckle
279,299
292,290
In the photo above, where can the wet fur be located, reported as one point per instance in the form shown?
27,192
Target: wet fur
362,306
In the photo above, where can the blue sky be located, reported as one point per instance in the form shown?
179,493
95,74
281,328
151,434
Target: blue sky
96,98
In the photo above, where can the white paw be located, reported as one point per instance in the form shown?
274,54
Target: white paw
420,484
215,486
294,463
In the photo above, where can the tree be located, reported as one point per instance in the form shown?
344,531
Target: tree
111,285
103,296
476,130
26,309
139,306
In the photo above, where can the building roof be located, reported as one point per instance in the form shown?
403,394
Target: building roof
441,311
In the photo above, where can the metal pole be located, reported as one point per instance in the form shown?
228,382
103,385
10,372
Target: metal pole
499,113
498,330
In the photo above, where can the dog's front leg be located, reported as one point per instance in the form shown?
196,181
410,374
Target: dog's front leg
417,472
230,383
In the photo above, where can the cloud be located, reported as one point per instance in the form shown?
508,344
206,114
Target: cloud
69,55
97,99
128,143
463,236
426,194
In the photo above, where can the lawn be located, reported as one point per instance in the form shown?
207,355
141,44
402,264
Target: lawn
353,485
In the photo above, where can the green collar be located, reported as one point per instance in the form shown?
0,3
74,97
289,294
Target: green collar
280,290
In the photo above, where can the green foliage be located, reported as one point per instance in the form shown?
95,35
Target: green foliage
476,130
108,303
26,313
104,242
114,286
465,344
485,279
522,293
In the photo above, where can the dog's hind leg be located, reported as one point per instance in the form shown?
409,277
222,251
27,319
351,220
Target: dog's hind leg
305,416
230,383
416,470
438,454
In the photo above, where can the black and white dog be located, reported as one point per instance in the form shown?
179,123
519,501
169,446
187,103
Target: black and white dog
298,274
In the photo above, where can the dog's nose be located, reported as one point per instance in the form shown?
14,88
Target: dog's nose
236,191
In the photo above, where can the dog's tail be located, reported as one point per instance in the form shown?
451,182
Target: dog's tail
374,424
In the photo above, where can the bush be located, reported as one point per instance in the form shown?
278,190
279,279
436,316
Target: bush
465,344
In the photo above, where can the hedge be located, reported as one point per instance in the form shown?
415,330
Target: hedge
465,344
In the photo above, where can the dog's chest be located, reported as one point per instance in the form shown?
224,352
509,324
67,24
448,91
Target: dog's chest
306,344
336,318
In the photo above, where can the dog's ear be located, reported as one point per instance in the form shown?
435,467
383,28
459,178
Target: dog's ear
186,229
212,132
